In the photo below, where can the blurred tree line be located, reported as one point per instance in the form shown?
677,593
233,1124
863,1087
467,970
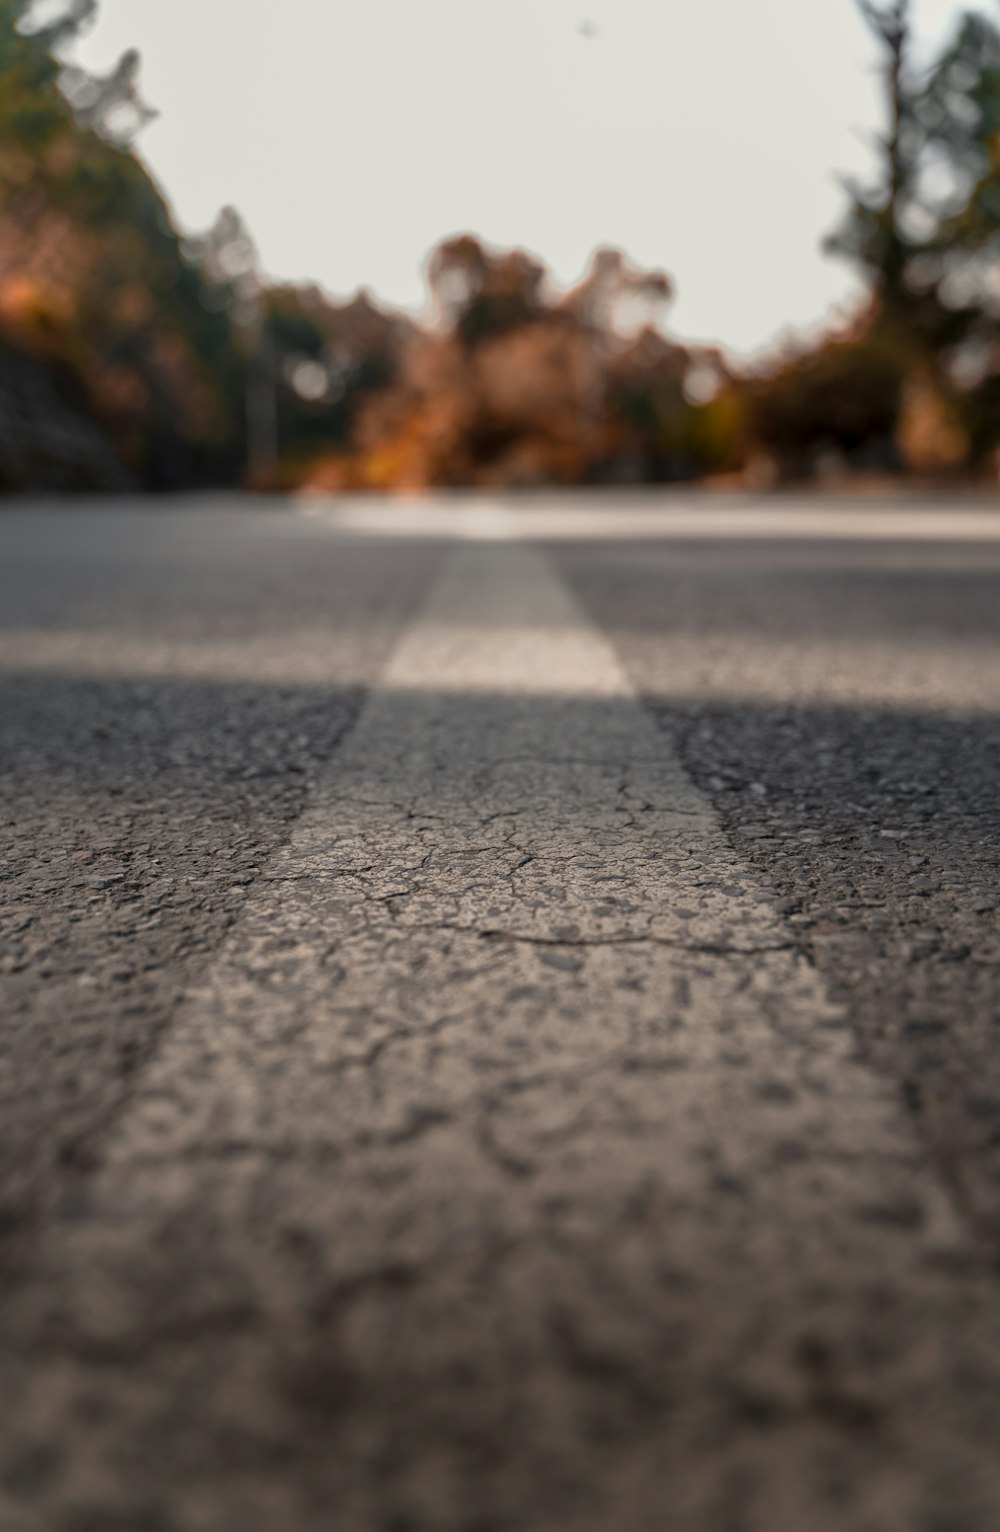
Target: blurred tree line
132,355
517,383
129,354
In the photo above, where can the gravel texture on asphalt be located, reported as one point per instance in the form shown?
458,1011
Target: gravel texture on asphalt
442,1094
840,705
507,1168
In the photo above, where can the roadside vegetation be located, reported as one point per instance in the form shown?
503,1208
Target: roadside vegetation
134,355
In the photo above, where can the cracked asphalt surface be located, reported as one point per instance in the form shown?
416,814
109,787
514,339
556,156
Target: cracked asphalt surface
499,1016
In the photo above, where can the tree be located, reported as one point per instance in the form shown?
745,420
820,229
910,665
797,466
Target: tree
960,266
480,292
927,234
874,234
617,297
92,271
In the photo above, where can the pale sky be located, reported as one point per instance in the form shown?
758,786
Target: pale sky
703,136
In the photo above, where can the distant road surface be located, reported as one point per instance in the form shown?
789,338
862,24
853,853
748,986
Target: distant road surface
500,1016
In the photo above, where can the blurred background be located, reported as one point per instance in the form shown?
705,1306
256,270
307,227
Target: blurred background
414,245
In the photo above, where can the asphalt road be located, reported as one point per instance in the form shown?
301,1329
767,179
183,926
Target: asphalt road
499,1017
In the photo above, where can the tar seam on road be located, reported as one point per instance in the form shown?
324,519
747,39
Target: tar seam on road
510,1156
